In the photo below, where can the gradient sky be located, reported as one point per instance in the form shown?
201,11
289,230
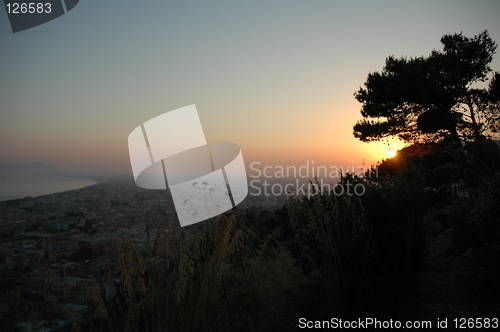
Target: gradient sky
277,78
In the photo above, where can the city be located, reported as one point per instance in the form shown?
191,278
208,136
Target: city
55,248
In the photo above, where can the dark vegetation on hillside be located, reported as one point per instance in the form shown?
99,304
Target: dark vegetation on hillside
325,256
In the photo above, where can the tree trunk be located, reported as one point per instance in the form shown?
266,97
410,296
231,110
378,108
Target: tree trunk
475,127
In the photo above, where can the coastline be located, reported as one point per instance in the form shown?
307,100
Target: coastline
19,187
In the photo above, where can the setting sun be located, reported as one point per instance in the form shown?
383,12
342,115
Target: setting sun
392,153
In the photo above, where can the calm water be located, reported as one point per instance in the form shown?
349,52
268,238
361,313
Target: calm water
12,187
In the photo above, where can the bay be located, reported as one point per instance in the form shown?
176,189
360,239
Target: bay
20,186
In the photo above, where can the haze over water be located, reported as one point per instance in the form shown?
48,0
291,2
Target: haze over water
20,186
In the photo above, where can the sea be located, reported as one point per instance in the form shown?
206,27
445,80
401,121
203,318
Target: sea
20,186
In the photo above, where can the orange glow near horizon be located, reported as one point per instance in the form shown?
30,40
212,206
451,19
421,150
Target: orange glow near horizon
394,146
387,149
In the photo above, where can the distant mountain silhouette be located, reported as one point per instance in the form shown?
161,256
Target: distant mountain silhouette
35,168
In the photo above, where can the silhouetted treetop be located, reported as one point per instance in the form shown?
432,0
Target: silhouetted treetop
426,99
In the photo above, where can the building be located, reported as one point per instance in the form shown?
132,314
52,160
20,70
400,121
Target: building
23,261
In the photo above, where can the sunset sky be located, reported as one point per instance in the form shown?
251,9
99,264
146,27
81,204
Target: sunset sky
277,78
